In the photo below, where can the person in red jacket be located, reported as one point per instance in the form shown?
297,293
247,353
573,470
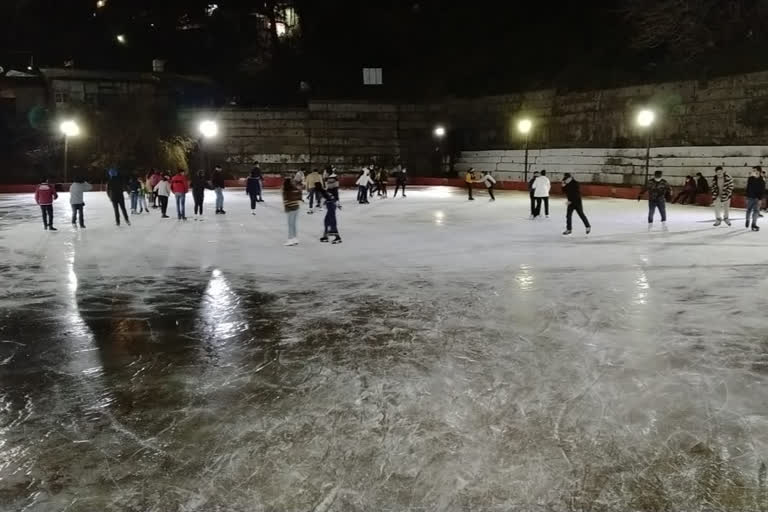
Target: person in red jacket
180,187
45,195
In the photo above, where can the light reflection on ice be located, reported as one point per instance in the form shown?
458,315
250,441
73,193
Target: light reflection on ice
641,283
219,304
524,278
439,217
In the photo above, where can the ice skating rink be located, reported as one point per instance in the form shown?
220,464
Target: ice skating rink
448,356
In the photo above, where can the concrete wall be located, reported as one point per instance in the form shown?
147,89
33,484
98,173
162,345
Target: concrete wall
619,166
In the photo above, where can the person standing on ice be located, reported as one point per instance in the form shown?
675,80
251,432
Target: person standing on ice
469,179
253,188
489,181
298,178
332,184
329,223
401,178
755,192
383,178
45,195
572,191
134,188
163,191
199,184
180,187
256,173
218,188
541,186
291,200
154,179
530,193
658,193
76,200
362,186
313,179
115,189
722,190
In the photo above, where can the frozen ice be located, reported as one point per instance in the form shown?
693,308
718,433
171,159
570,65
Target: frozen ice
449,355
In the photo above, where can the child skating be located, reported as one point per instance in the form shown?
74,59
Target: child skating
329,223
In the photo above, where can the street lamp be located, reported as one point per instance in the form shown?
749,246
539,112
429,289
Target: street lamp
121,38
645,120
69,128
524,126
208,129
439,131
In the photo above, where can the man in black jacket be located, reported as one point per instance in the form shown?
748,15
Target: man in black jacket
531,191
755,193
115,189
573,193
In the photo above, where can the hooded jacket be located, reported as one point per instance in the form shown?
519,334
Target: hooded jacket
365,179
572,191
45,194
76,191
541,186
179,184
163,188
489,180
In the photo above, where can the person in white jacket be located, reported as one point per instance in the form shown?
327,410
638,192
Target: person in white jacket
362,186
76,191
489,181
163,189
541,186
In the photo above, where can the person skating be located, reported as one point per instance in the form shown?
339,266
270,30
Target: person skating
253,188
329,223
115,190
383,179
76,201
291,201
541,187
218,187
134,189
362,186
163,191
199,184
489,181
401,179
469,179
722,190
143,205
180,187
154,179
298,179
45,195
256,173
755,192
572,191
332,184
688,193
312,180
530,193
658,193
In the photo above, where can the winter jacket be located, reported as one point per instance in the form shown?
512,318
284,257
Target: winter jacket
45,193
332,181
76,192
134,185
702,187
163,188
155,179
725,192
256,172
312,179
383,176
179,184
298,178
291,199
541,186
364,180
468,178
572,191
115,187
755,187
402,176
657,190
199,184
218,179
489,180
253,185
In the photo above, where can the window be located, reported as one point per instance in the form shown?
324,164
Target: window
372,76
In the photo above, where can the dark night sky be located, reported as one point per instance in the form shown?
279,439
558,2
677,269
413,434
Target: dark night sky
426,46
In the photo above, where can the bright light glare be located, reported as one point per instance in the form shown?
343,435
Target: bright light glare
69,128
209,129
101,3
524,126
280,29
439,131
121,38
645,118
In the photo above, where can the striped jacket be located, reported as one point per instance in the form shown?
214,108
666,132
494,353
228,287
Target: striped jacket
725,192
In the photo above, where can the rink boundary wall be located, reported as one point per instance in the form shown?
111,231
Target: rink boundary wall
587,189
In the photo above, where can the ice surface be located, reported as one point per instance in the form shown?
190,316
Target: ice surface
449,355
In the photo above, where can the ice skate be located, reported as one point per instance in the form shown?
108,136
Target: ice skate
589,230
727,222
746,224
717,222
310,211
253,212
755,227
291,242
324,239
336,240
51,228
567,232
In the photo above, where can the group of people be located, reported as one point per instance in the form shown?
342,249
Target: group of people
373,178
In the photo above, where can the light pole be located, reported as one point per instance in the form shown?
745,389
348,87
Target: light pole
645,119
70,129
208,130
524,126
439,134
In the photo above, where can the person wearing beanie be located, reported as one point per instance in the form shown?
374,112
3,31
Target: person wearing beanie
541,186
115,190
76,201
659,193
722,191
45,195
755,192
572,191
332,184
